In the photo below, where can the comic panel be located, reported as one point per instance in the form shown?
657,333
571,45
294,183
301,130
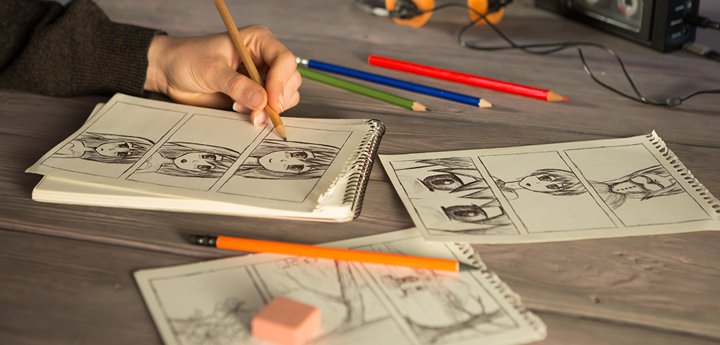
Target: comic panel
635,185
544,193
349,307
287,170
115,140
216,309
442,308
198,153
450,195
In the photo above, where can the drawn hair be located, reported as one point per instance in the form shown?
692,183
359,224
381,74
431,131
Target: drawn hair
672,189
323,156
571,185
173,150
137,147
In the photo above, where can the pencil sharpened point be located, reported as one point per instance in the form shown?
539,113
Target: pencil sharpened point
484,104
285,139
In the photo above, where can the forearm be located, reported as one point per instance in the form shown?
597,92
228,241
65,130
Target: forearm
70,51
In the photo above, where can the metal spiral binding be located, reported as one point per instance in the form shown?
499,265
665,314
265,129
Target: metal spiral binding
683,171
360,165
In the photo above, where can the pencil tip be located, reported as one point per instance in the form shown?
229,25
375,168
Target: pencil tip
418,107
554,97
285,139
484,104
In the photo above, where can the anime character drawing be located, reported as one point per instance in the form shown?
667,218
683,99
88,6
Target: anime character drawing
272,159
643,184
459,179
105,148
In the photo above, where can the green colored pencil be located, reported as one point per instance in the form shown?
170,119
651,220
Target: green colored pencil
363,90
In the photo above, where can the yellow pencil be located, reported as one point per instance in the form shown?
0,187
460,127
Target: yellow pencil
247,61
249,245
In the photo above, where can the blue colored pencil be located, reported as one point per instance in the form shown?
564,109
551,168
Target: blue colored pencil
431,91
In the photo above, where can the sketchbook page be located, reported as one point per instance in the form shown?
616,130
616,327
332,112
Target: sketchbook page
214,301
58,190
570,191
203,153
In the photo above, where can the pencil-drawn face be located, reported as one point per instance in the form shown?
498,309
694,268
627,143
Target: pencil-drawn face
114,149
287,161
541,183
198,161
643,184
472,213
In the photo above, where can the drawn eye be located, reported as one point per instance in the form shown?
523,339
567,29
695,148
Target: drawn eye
465,213
123,145
295,167
209,156
299,155
122,154
553,186
545,178
442,182
204,167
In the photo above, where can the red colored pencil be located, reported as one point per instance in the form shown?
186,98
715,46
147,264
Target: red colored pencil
469,79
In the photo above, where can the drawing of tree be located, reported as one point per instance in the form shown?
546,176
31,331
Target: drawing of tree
228,323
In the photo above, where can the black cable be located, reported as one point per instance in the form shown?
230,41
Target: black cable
700,22
555,47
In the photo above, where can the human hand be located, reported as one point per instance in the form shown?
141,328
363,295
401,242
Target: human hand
203,71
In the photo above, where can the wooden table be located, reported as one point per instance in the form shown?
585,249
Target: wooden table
65,271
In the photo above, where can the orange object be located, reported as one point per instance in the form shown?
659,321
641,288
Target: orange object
427,5
287,322
482,7
235,243
423,5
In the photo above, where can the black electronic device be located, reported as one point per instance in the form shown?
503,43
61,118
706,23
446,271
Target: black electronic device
655,23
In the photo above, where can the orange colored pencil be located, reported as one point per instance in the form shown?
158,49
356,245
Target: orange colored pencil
234,243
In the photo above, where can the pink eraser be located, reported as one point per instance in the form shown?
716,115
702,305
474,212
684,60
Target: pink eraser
287,322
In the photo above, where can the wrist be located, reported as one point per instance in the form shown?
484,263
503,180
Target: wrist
155,79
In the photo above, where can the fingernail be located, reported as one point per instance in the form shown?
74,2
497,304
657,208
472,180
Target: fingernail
282,103
256,99
235,106
260,117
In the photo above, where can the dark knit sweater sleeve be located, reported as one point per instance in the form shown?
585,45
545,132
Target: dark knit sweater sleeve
70,51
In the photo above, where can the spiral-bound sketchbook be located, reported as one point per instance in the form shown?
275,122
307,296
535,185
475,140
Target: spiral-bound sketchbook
213,302
568,191
139,153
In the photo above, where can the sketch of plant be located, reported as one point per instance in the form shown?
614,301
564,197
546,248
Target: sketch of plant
228,323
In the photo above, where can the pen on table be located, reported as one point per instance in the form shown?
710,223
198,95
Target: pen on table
431,91
469,79
362,90
247,61
235,243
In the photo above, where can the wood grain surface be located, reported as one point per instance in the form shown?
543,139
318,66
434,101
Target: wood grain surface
66,271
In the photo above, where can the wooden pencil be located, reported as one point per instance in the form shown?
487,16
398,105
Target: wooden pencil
469,79
362,90
247,61
243,244
431,91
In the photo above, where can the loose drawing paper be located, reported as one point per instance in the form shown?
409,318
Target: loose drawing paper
213,302
593,189
202,153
